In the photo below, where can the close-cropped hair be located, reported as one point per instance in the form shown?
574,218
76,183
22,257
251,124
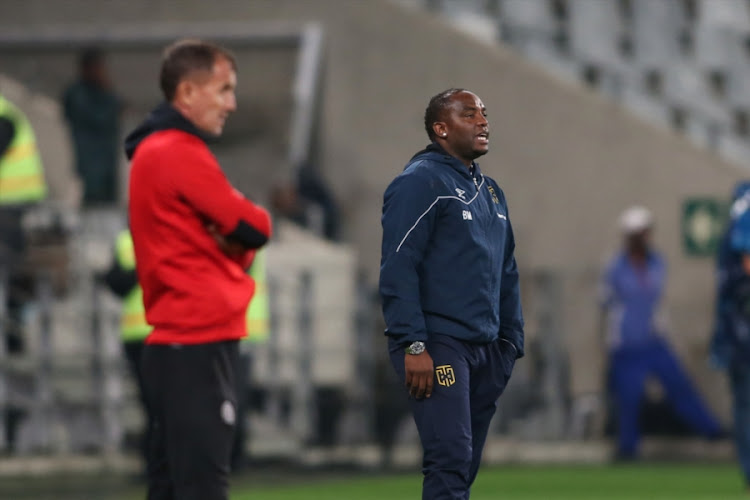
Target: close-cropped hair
435,109
188,56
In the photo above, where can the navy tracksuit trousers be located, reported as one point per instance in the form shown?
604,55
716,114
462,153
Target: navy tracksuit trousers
453,423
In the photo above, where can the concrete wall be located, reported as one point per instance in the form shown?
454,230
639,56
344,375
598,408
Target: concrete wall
568,160
258,135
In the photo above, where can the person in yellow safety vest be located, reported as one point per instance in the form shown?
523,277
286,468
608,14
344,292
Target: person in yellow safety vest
123,281
22,185
133,321
258,320
258,329
21,174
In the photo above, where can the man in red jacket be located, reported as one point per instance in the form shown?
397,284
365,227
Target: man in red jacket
194,236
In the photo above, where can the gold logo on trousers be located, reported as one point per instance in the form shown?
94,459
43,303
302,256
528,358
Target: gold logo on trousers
445,375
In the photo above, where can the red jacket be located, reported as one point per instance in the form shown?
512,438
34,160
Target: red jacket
193,292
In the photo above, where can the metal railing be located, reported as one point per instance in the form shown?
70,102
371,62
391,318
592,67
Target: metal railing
536,405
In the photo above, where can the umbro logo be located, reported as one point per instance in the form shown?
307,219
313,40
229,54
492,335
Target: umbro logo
461,193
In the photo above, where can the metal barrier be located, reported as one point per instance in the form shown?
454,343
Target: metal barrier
3,357
44,399
107,370
303,416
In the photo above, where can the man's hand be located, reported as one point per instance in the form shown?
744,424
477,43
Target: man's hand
230,248
420,374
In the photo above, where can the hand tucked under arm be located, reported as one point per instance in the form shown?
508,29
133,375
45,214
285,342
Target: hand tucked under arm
227,245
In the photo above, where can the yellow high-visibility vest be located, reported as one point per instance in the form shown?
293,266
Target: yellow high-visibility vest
133,325
21,175
258,320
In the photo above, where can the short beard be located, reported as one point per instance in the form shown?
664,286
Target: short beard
476,154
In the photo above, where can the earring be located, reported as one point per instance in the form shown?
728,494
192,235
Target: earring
444,134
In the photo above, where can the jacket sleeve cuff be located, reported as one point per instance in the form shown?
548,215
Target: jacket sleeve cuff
248,236
405,339
515,341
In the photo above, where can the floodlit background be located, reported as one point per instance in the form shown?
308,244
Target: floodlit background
594,105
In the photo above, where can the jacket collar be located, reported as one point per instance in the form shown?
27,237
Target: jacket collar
436,153
163,117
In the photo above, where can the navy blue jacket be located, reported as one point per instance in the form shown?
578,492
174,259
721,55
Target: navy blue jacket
447,265
731,339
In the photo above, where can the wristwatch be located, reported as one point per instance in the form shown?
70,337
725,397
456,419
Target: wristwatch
415,348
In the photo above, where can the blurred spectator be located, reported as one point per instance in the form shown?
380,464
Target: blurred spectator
22,185
122,280
730,345
633,286
92,110
309,203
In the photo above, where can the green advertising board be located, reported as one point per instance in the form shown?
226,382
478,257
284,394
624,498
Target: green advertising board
703,222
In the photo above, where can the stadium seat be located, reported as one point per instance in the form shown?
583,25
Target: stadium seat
595,31
738,72
656,28
716,20
527,22
686,86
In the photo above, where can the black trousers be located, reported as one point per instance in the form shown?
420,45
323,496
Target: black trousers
134,354
241,432
13,246
191,390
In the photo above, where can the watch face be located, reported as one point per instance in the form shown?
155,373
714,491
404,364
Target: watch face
415,348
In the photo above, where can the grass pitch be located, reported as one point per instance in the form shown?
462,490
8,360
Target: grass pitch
644,481
637,482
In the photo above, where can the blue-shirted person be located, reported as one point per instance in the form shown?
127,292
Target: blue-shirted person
730,345
633,287
449,286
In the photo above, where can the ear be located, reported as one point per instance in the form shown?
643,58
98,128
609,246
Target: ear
440,129
185,92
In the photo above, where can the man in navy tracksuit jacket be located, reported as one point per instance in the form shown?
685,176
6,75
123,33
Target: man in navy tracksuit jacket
730,345
449,286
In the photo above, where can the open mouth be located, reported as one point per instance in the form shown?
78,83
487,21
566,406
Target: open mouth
483,138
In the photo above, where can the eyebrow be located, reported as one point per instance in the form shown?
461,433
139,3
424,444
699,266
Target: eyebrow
474,108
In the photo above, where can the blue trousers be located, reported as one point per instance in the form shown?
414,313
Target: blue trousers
453,423
629,368
739,377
